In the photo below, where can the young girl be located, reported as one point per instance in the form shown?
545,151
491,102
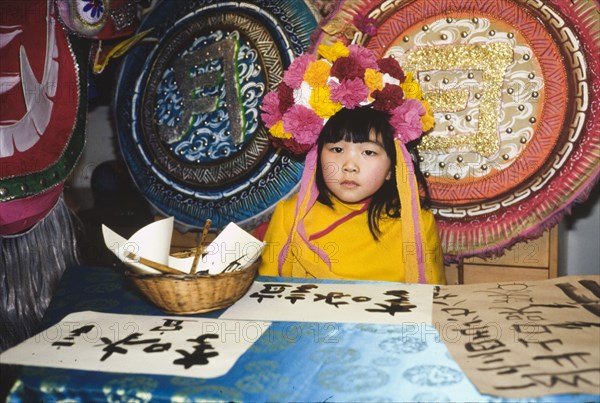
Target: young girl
357,214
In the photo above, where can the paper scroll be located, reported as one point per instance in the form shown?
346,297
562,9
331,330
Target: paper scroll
524,338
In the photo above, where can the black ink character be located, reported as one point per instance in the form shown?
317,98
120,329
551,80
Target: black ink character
170,325
439,298
330,297
70,340
234,265
400,304
507,293
300,292
201,352
591,304
114,347
270,290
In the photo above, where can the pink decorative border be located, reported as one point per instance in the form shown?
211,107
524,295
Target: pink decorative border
492,233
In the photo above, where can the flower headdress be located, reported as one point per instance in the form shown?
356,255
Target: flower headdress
314,89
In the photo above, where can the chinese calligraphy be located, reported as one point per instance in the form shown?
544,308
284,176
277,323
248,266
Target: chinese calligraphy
191,346
336,302
536,338
401,302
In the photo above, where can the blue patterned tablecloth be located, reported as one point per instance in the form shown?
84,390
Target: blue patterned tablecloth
293,361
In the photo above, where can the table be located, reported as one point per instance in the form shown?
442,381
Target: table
294,362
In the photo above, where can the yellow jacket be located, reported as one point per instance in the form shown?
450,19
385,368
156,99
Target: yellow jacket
353,252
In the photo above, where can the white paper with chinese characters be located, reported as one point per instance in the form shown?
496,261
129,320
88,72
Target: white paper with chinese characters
160,345
385,303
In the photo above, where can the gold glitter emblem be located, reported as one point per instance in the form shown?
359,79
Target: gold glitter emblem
492,60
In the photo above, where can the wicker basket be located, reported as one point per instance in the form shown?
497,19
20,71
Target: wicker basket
194,293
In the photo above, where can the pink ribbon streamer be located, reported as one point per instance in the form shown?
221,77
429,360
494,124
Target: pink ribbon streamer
415,207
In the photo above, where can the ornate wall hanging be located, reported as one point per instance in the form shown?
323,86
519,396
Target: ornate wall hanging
514,85
42,118
43,99
187,107
99,19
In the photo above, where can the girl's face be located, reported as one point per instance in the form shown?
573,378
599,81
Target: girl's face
353,172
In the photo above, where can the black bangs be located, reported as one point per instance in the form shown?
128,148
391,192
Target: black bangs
356,125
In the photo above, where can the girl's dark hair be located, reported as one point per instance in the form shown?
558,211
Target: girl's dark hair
355,126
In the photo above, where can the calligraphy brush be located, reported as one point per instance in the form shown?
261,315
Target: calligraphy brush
200,246
157,266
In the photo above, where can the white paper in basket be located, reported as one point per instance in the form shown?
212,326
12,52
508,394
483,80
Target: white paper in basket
232,249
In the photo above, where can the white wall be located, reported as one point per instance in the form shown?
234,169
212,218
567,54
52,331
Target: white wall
100,146
579,238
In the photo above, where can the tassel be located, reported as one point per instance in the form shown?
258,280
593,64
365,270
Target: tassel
31,265
414,260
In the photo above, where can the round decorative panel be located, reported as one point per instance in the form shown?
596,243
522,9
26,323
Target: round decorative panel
514,86
188,108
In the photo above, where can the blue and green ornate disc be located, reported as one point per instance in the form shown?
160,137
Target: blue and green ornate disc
188,103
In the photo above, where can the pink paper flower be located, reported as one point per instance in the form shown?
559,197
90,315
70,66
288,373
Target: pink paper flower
294,75
313,90
349,93
270,109
406,118
364,56
304,124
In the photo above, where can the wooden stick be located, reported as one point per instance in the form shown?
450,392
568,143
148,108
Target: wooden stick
157,266
200,247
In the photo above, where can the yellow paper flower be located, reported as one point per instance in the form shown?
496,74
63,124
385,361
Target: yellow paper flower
373,80
277,131
317,73
411,87
427,120
321,102
334,51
